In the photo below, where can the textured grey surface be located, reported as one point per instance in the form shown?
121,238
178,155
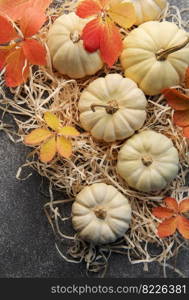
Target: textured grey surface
26,239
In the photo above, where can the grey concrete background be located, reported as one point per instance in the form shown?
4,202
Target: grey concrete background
26,239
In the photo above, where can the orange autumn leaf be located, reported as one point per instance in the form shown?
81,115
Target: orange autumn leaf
14,9
180,103
37,136
31,21
48,150
102,31
174,220
34,52
162,212
184,206
181,118
88,8
183,226
64,147
172,204
3,56
17,68
167,228
7,31
176,99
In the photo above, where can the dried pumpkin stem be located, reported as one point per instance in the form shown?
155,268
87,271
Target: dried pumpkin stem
109,109
147,160
163,54
75,37
100,213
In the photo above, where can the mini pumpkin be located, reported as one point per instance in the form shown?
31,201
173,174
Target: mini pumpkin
148,161
147,10
156,56
101,214
112,108
66,48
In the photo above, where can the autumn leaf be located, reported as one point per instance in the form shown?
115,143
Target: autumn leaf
174,220
64,147
17,68
37,136
172,204
68,131
101,32
183,226
31,21
180,103
122,13
176,99
167,228
3,56
52,142
162,212
88,8
7,31
52,121
184,206
34,52
14,9
91,35
48,150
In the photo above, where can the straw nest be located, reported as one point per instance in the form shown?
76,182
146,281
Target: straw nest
94,161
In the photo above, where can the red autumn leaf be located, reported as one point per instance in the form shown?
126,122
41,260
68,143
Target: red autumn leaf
167,227
88,8
31,22
17,69
34,52
184,206
110,51
183,226
14,9
91,35
171,203
162,212
186,132
181,118
176,99
7,31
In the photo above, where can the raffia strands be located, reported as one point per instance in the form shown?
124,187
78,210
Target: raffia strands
93,161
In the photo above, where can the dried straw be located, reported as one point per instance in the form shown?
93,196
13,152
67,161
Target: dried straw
94,161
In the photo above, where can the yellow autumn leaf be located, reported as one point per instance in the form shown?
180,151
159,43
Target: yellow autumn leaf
37,136
68,131
48,150
123,14
52,121
64,147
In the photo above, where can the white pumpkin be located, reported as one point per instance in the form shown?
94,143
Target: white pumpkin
148,161
66,48
156,56
148,10
112,108
101,214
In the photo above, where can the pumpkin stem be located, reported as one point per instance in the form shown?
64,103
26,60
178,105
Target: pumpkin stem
147,160
100,213
109,109
163,54
75,37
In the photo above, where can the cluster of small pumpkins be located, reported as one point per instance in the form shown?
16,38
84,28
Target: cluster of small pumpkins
155,56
